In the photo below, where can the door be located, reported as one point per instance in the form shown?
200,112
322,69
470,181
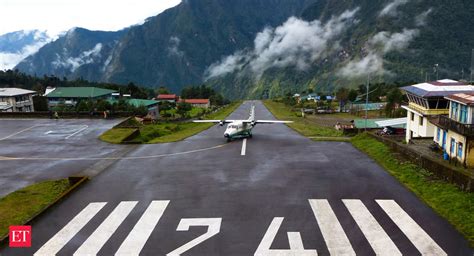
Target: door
444,140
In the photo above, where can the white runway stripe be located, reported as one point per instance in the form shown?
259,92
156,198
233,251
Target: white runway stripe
333,234
420,239
59,240
100,236
244,147
378,239
137,238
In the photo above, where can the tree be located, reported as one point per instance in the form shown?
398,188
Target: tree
342,95
162,90
352,95
394,99
40,103
183,109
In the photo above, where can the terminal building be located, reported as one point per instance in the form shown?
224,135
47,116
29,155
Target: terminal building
427,101
70,96
16,100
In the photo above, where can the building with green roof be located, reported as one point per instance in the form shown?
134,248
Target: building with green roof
72,95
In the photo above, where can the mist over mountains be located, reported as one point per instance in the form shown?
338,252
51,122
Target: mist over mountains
265,48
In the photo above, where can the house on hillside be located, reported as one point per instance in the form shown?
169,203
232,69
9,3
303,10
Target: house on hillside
16,100
70,96
198,103
171,98
454,133
427,100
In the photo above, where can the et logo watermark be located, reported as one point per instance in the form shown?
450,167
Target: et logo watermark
20,236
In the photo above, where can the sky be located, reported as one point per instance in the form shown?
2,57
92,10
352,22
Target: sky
57,16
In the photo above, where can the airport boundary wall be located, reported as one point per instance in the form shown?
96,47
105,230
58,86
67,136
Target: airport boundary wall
463,179
47,114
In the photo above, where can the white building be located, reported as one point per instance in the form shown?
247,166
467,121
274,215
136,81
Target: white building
16,100
426,100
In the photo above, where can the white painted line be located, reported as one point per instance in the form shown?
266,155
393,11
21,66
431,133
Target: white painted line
294,239
94,242
137,238
333,234
4,158
378,239
244,147
61,238
420,239
214,227
16,133
80,130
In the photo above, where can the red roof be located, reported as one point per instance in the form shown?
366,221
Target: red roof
167,96
195,101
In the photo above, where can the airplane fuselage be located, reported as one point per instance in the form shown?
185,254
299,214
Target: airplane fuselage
238,130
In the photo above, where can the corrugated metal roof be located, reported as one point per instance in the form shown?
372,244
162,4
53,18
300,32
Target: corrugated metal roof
438,88
372,123
9,92
392,122
79,92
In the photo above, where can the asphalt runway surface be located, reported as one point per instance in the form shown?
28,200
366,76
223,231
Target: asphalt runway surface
45,137
282,194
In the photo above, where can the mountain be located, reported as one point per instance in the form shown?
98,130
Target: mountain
390,41
172,49
266,48
17,45
79,53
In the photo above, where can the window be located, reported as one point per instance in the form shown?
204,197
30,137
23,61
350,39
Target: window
413,116
463,115
453,146
454,110
460,150
421,121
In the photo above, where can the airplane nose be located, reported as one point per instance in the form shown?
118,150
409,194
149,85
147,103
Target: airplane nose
226,135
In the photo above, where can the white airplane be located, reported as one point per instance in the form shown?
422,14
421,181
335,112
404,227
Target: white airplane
241,128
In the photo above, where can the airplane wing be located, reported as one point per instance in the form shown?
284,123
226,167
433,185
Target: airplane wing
272,122
214,121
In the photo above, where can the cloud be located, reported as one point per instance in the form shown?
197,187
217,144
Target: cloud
421,19
380,44
393,41
9,60
391,9
173,49
73,63
296,43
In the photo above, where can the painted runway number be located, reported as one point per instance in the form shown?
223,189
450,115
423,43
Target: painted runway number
333,234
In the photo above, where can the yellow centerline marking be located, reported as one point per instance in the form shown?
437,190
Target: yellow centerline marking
5,158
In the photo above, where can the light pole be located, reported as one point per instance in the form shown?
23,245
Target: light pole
367,101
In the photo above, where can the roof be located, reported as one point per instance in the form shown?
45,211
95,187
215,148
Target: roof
438,88
136,102
9,92
166,96
372,123
140,102
392,122
465,98
79,92
195,101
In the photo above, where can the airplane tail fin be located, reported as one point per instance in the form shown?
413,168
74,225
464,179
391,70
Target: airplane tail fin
252,113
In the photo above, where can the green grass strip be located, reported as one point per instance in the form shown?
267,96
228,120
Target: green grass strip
116,135
301,125
446,199
18,207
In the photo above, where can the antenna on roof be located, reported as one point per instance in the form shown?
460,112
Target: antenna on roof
472,66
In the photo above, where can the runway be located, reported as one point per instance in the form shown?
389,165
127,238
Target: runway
277,193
